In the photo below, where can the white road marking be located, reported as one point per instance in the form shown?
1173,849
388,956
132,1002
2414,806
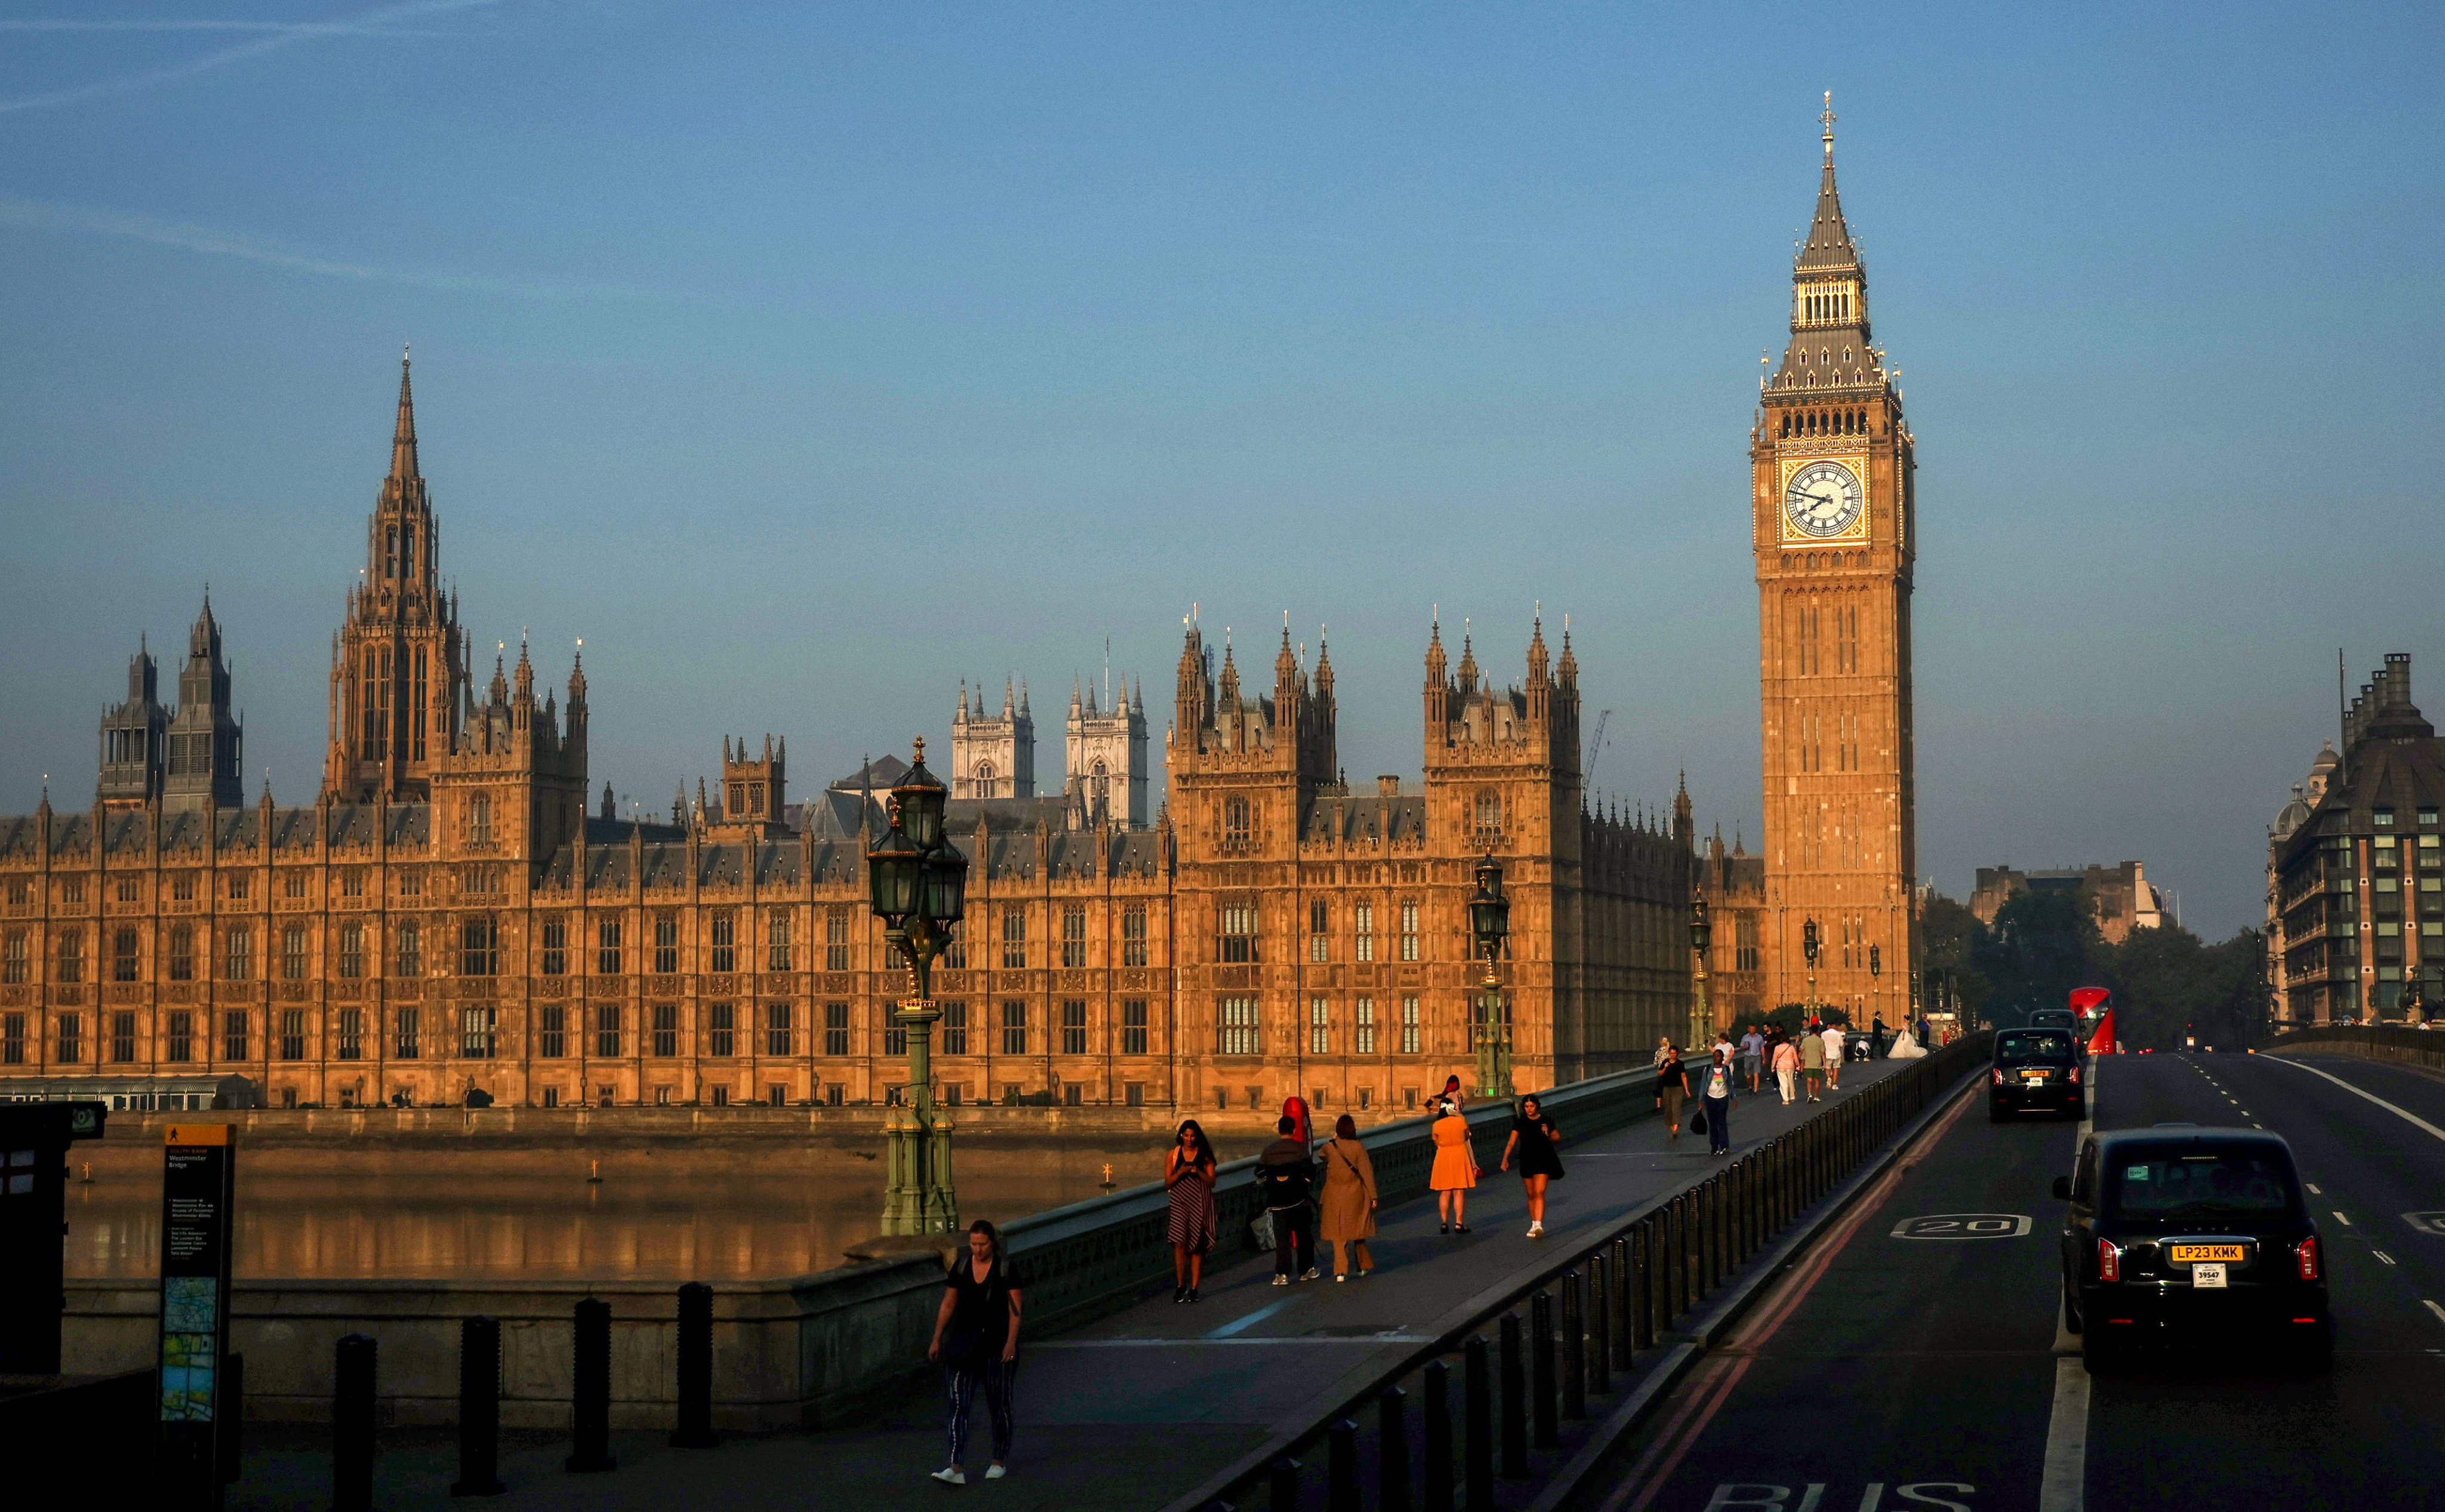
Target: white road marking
2434,1308
2382,1254
2315,1190
2063,1486
2404,1115
2340,1218
1238,1323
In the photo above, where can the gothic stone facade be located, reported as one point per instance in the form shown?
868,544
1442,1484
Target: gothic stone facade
446,916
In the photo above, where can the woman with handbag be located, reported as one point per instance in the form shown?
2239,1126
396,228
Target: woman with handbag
975,1340
1349,1217
1718,1109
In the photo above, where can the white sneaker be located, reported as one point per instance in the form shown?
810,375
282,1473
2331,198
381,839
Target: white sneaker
994,1473
1536,1231
1313,1274
1281,1281
952,1475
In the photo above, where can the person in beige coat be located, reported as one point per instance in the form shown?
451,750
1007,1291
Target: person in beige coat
1349,1217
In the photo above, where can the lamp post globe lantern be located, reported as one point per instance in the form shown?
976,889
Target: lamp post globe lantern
1490,922
917,883
1809,948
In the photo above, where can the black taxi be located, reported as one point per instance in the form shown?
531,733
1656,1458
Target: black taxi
2180,1235
2035,1071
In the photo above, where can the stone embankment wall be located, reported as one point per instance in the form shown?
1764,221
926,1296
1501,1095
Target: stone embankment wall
2421,1048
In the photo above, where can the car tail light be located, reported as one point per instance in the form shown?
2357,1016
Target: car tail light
1998,1078
2075,1076
2307,1252
2109,1261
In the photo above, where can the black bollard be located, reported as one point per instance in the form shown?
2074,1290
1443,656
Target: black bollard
696,1369
479,1409
1479,1406
1393,1449
1625,1343
1341,1468
1642,1290
591,1404
352,1426
228,1435
1283,1480
1599,1323
1573,1348
1514,1401
1540,1369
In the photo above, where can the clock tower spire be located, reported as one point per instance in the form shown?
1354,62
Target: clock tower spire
1833,530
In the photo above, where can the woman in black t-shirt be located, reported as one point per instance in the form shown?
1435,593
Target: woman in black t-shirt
976,1340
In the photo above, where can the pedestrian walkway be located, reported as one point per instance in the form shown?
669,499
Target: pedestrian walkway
1129,1411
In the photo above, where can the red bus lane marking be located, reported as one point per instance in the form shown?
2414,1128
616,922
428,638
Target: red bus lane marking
1698,1402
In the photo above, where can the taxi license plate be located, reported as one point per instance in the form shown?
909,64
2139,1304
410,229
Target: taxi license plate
2197,1254
2209,1274
2033,1075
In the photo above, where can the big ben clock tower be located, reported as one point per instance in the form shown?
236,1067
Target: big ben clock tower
1834,528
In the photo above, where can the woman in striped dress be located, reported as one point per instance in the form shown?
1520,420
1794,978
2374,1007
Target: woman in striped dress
1189,1175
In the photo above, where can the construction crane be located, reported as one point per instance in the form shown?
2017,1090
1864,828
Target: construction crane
1595,747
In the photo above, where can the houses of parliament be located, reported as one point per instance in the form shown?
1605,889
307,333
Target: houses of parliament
449,916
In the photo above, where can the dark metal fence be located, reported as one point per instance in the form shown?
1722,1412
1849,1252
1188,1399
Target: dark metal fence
2414,1047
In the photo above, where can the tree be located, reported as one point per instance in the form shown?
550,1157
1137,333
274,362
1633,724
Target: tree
1947,934
2040,948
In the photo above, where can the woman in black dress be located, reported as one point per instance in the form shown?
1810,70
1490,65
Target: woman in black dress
1536,1143
1188,1177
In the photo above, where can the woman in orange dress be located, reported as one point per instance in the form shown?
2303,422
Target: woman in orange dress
1455,1169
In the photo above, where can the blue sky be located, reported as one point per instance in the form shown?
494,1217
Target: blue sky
806,359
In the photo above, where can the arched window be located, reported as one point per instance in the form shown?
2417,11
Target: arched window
984,780
1234,822
1098,785
1489,815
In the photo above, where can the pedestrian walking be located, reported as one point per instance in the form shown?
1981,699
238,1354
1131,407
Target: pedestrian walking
1286,1173
1347,1219
1786,1068
1188,1180
1536,1144
1455,1169
1752,1054
1719,1105
976,1341
1671,1086
1836,1051
1812,1064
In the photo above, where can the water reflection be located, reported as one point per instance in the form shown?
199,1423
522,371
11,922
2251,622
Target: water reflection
534,1215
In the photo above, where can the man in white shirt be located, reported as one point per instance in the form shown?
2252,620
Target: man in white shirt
1835,1050
1752,1051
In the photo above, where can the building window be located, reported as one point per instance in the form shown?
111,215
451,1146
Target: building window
71,1038
1745,942
1237,1023
1074,937
776,1029
1319,1027
895,1034
667,946
182,953
1320,927
183,888
12,1040
1362,1028
479,820
552,1031
2383,816
72,891
2382,853
480,880
411,950
180,1040
725,941
555,946
1014,1028
411,884
14,966
835,1028
239,884
1239,931
127,889
292,1034
776,940
21,892
352,950
1489,816
1074,1027
233,1034
836,940
238,953
479,947
1409,929
352,1035
955,1029
1014,938
607,947
292,884
954,953
1235,822
72,957
292,953
667,1030
1133,1027
606,1031
720,1030
122,1038
476,1033
123,955
1133,937
352,883
1408,1026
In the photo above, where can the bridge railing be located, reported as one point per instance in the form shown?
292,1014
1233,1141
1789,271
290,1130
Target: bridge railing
1618,1299
2418,1047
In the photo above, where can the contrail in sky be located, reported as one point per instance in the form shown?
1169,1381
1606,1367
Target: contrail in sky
270,37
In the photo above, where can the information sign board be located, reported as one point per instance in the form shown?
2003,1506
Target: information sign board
198,1175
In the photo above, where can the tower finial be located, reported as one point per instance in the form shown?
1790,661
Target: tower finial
1828,119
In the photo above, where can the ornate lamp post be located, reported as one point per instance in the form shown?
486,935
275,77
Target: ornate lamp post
1489,921
1702,1019
1809,948
918,883
1875,989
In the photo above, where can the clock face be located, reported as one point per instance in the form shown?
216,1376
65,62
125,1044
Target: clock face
1823,499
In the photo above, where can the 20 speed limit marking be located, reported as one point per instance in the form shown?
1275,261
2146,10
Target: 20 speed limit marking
1963,1225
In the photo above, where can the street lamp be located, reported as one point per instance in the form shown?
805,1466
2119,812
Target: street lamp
1809,948
917,884
1489,921
1701,1020
1876,969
